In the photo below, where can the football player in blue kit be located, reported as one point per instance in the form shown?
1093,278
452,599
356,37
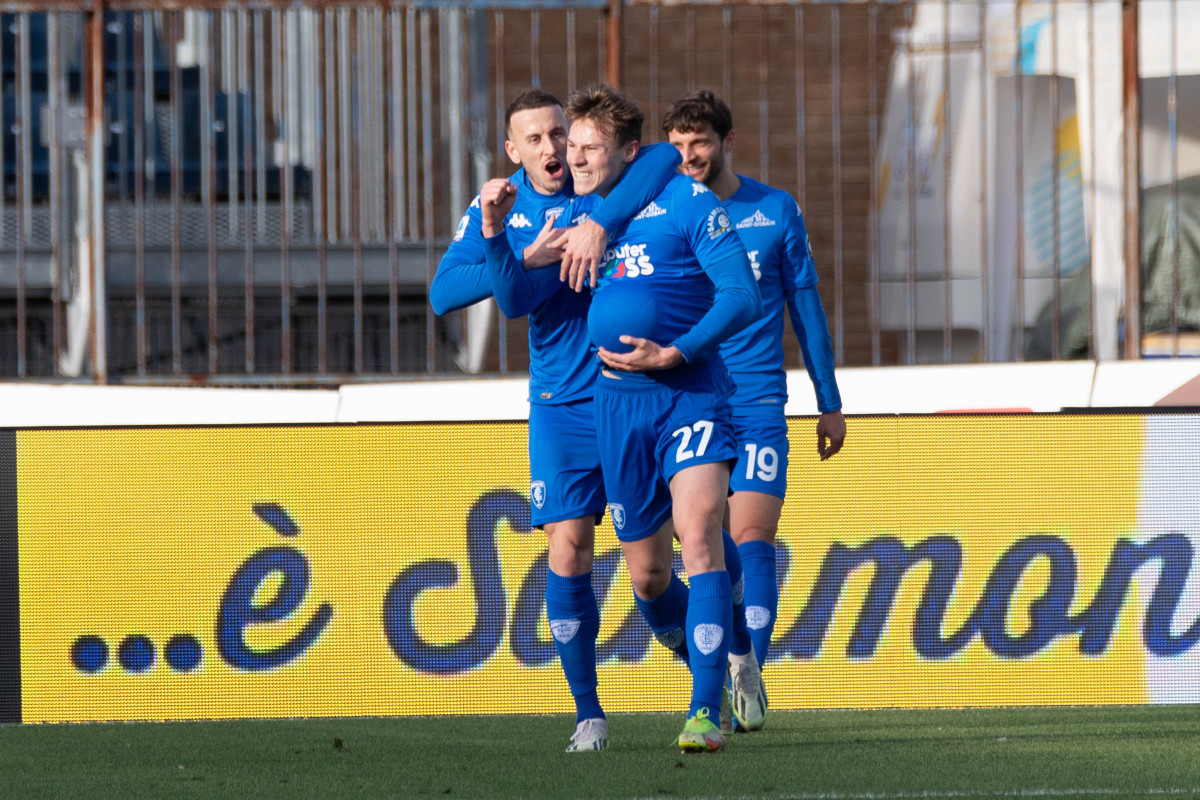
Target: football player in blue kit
566,491
536,141
675,283
771,226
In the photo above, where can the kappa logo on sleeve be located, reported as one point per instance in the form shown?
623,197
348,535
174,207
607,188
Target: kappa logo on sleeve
698,188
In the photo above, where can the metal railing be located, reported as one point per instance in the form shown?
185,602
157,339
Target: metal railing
260,193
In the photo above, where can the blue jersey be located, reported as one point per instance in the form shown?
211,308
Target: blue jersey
462,277
674,274
561,367
772,228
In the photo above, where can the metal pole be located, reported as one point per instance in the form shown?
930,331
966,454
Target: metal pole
95,127
612,52
1132,175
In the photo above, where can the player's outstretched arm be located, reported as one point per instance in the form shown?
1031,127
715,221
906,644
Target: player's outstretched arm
812,332
462,278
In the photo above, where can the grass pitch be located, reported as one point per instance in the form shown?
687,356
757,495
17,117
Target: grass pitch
1125,752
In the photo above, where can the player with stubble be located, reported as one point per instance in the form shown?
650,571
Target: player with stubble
772,228
675,283
566,490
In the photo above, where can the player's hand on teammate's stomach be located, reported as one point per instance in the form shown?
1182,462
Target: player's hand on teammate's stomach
645,356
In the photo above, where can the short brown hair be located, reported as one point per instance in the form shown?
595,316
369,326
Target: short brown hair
692,112
613,112
527,100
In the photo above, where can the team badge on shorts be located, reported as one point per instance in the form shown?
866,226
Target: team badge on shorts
708,637
537,493
618,515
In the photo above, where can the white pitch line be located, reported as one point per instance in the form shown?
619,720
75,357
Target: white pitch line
956,795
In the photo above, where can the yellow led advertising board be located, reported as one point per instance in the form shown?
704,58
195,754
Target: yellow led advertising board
218,572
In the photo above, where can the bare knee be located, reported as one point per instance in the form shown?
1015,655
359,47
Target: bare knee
570,546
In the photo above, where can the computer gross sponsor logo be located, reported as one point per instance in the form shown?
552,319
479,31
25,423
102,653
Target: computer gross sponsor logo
629,260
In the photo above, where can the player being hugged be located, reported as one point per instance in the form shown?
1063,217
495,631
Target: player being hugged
674,283
506,247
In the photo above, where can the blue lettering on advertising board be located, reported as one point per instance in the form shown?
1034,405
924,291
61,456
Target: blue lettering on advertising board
238,610
1049,615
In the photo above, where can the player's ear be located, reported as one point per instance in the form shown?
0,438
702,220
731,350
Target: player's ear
631,151
513,155
727,144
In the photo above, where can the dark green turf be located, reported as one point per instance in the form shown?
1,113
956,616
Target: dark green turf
1053,753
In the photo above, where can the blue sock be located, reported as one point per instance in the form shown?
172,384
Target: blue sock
575,625
709,622
741,643
762,594
667,616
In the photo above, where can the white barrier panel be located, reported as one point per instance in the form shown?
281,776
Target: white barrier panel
930,390
1143,384
34,405
1037,387
468,399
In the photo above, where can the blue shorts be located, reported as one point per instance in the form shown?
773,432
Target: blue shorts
762,454
649,431
564,463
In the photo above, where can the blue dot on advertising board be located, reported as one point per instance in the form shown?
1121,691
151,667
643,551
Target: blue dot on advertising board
89,654
182,652
136,653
